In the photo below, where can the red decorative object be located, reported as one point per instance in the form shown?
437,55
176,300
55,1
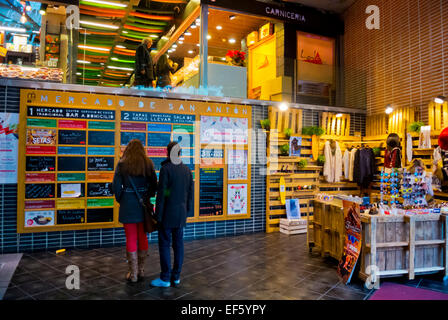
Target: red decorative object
235,57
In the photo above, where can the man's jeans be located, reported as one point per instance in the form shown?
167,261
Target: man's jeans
165,255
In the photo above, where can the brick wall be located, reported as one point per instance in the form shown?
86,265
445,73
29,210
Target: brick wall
404,62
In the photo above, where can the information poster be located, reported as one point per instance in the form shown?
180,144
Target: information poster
237,164
352,246
211,192
295,145
9,147
224,130
39,218
237,198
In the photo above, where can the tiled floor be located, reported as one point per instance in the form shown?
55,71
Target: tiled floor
256,266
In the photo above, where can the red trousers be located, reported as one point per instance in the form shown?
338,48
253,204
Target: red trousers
135,237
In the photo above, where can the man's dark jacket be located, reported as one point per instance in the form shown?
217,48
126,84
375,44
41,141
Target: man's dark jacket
174,195
143,61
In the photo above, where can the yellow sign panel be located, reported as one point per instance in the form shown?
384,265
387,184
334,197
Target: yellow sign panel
70,204
3,52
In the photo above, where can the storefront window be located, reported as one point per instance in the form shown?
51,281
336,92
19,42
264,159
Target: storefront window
34,41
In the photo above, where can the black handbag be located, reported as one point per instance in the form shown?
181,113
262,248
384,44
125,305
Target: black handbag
149,223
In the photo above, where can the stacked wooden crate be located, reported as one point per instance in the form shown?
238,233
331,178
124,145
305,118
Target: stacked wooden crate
293,226
300,183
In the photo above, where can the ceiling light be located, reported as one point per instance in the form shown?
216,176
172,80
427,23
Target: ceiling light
42,12
231,40
181,38
154,36
339,115
190,51
198,21
218,27
209,37
102,25
283,106
28,8
389,109
114,59
198,44
180,42
114,4
23,19
120,68
12,29
232,17
98,75
83,61
93,48
188,33
120,46
174,45
193,26
78,73
440,99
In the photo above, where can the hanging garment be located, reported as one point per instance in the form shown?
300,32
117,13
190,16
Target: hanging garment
364,167
346,164
392,159
333,163
409,147
352,163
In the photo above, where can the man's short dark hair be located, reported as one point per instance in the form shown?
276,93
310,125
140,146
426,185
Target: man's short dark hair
170,147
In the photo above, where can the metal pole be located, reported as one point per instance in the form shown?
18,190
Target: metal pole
203,79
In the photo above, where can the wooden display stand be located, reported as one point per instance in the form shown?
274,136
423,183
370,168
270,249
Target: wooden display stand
328,229
404,245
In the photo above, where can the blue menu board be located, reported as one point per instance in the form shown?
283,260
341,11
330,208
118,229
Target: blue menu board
128,136
158,139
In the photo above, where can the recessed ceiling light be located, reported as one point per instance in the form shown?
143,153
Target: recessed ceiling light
188,33
42,12
120,46
114,4
102,25
193,26
440,99
78,73
28,8
219,27
180,42
339,115
83,61
174,45
190,51
198,44
232,17
231,40
209,37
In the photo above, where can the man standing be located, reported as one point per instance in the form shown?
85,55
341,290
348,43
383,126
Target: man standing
144,68
174,201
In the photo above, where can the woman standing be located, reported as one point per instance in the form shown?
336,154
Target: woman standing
163,69
134,168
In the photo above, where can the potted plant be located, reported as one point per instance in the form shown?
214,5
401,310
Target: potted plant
315,132
415,126
321,160
302,163
284,149
265,124
236,58
376,151
287,132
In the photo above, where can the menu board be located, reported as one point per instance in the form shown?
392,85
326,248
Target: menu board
70,143
211,192
63,147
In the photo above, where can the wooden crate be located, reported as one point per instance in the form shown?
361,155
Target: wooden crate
328,228
438,115
293,226
334,125
404,245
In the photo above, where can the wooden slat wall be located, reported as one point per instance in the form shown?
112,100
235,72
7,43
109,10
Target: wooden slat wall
291,118
403,61
376,124
438,115
334,125
400,120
